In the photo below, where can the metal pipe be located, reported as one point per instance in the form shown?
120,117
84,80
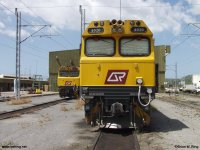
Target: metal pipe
58,61
139,92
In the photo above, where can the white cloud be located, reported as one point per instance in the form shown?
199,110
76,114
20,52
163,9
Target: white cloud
194,9
2,25
5,31
12,33
160,16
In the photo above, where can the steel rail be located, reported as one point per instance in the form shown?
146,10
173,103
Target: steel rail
116,139
30,109
183,103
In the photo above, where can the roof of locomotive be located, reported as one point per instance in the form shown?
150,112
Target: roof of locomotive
127,27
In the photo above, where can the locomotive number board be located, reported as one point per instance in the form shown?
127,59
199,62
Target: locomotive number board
95,30
138,29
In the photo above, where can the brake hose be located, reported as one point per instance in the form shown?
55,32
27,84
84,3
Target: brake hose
144,105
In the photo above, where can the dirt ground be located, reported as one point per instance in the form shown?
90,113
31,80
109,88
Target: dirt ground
59,127
175,124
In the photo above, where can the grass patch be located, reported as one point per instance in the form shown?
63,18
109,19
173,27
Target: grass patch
24,125
63,108
44,118
19,102
79,104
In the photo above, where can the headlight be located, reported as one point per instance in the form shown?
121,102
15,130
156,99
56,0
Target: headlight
139,80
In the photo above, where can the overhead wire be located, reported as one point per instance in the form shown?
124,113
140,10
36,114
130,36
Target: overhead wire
33,54
41,50
21,18
188,37
45,23
102,6
11,47
111,6
32,47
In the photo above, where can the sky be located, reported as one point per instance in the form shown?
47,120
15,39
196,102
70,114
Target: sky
173,22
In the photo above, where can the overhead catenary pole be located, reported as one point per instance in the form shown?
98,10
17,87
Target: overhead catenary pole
84,19
17,92
176,77
19,73
18,49
80,10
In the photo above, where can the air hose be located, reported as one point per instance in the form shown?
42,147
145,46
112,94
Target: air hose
139,92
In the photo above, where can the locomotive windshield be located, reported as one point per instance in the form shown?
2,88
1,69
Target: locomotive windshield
136,46
65,73
100,46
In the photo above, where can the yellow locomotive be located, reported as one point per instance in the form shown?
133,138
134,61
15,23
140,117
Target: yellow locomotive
117,73
68,80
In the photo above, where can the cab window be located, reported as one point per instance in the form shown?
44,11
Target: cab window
136,46
99,46
65,73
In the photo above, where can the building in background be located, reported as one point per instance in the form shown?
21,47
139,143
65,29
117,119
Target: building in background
191,80
160,66
7,82
67,56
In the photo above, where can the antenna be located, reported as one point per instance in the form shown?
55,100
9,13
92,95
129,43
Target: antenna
58,61
120,9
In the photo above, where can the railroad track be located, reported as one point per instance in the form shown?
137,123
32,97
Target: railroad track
117,140
179,102
30,109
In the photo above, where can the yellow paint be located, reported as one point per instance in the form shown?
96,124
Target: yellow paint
61,81
93,70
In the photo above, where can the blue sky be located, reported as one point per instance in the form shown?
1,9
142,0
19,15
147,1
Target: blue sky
169,21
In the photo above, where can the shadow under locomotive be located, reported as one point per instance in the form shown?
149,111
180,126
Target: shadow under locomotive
162,123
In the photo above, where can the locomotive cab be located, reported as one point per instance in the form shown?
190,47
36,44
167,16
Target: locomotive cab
117,73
